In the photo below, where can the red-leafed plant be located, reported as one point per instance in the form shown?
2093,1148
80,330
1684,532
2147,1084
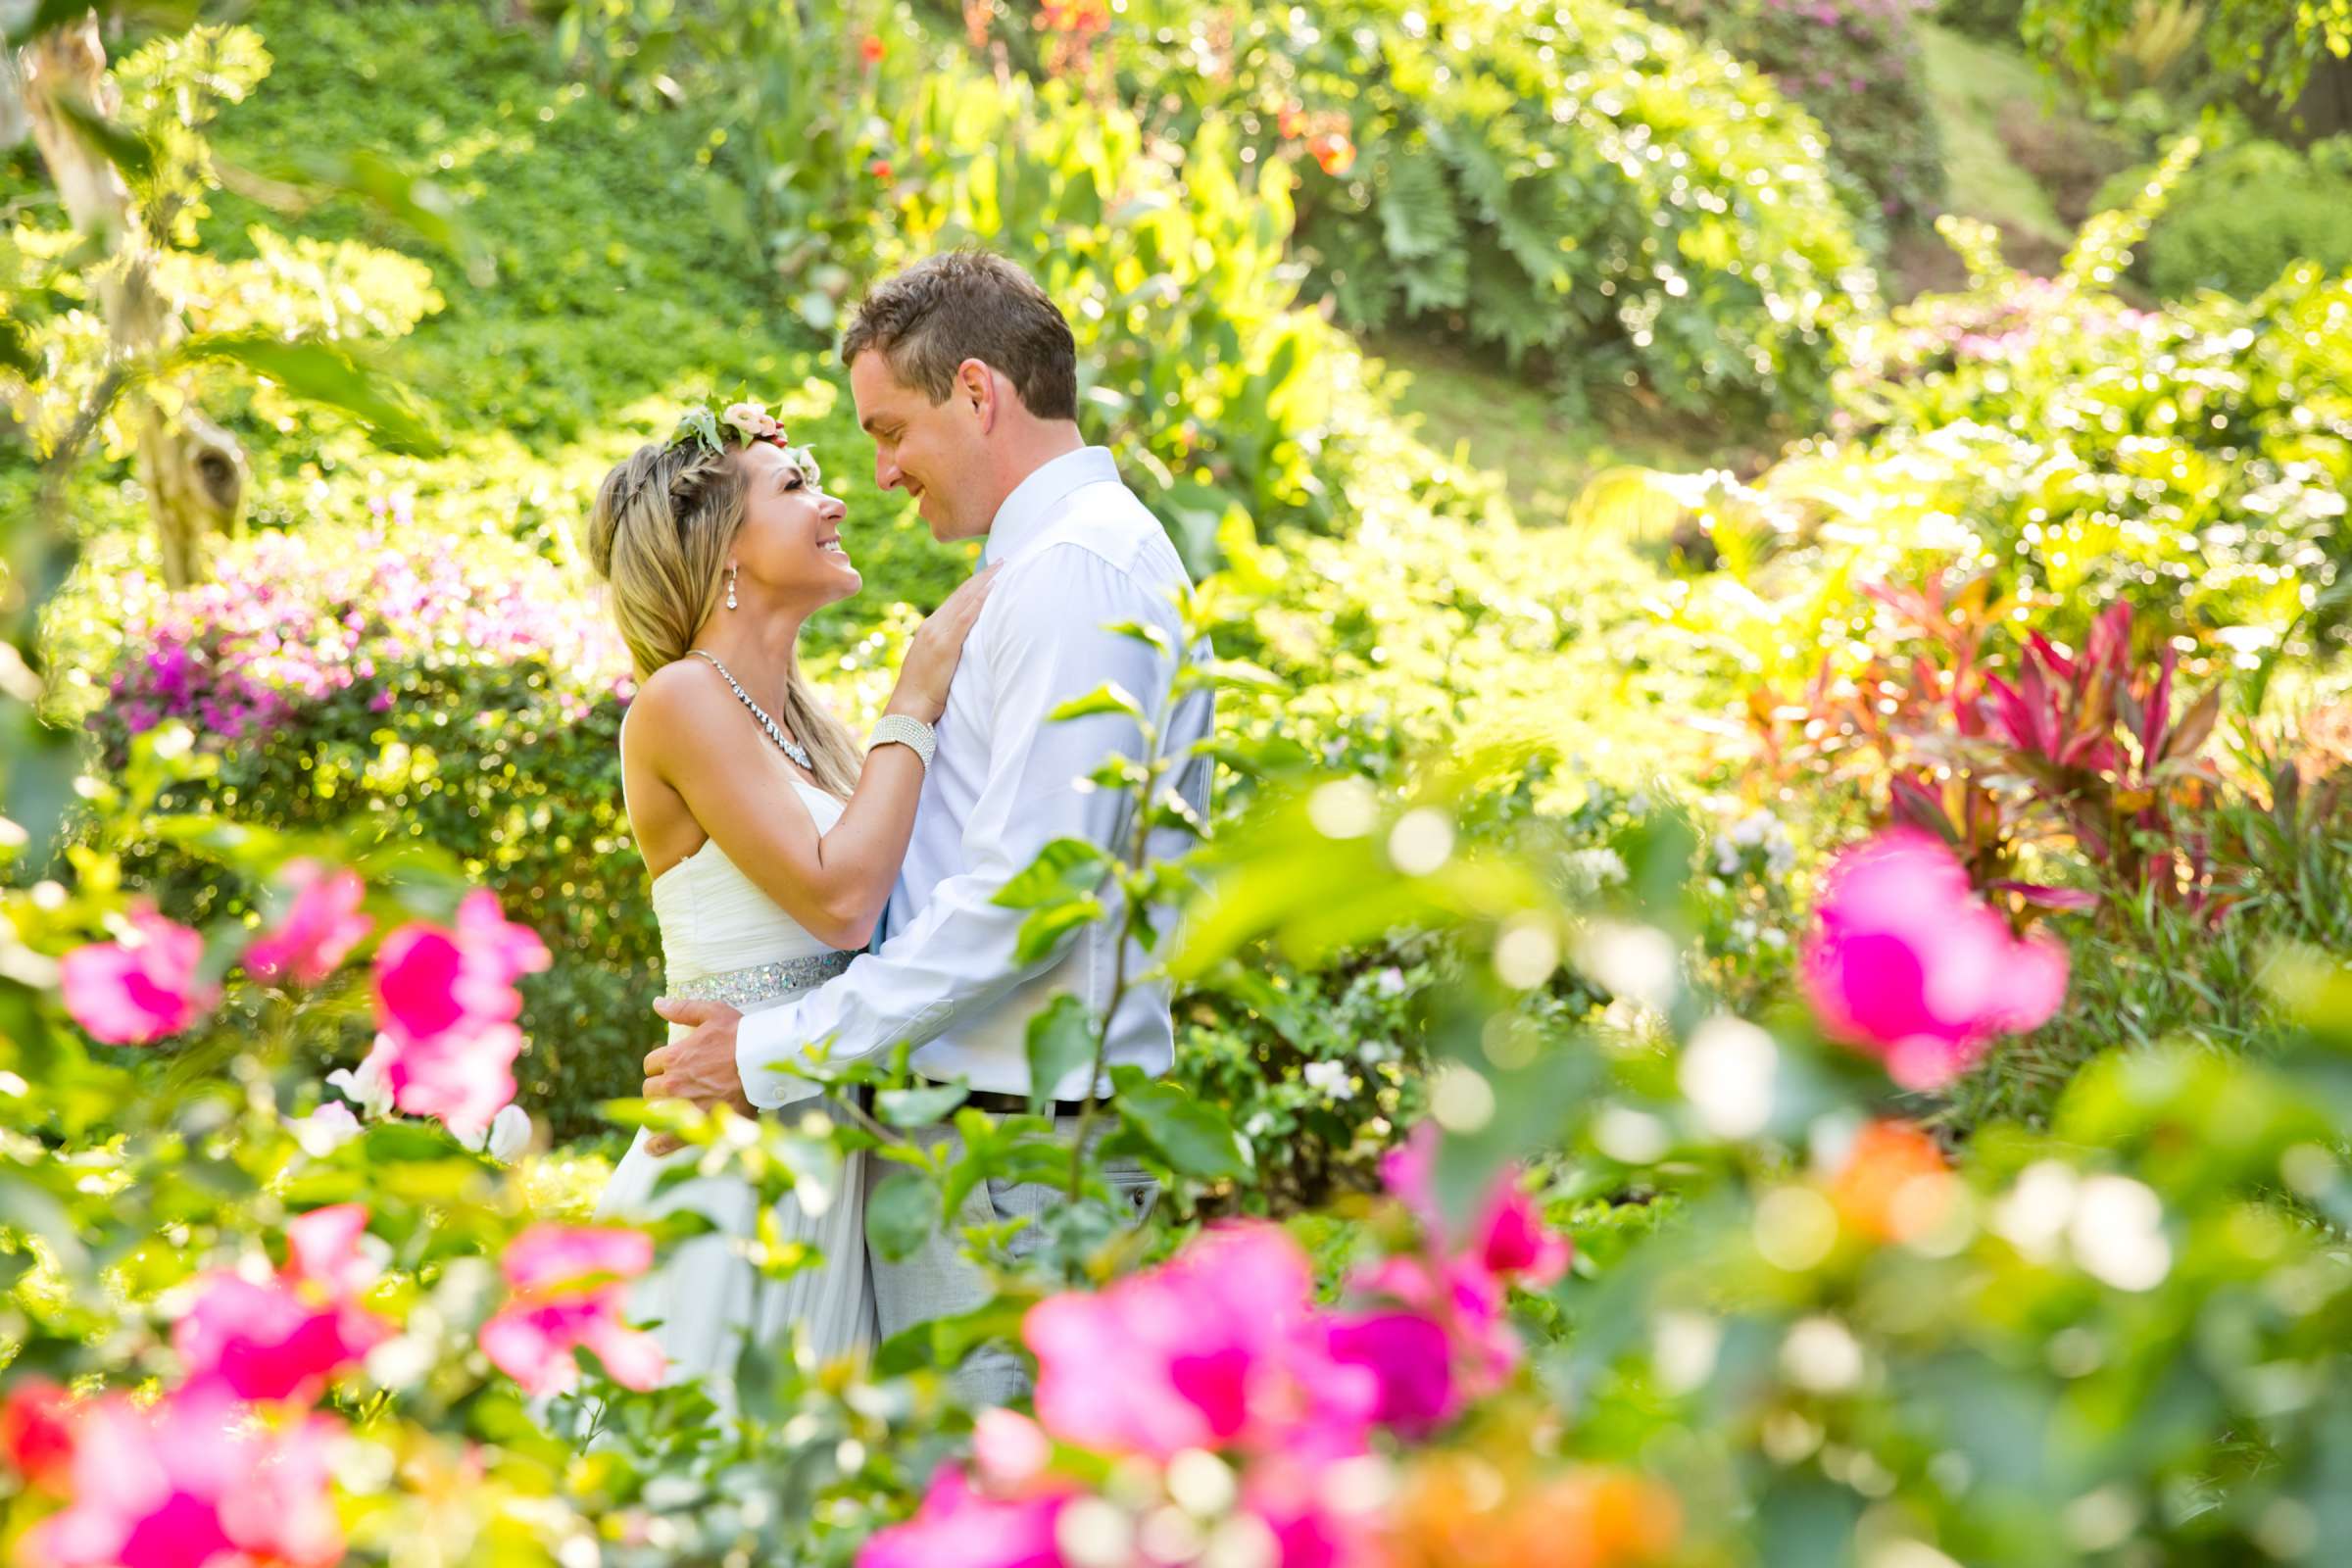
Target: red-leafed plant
2092,748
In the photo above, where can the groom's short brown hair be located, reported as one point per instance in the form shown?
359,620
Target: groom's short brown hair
969,304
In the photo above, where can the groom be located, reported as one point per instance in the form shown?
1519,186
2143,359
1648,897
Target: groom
965,375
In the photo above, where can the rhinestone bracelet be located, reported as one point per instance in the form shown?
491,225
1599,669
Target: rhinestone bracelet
911,733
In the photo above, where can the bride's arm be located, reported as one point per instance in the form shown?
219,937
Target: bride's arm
834,883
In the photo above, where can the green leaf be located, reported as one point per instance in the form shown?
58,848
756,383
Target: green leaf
411,201
1108,698
128,151
16,348
919,1107
164,15
321,372
942,1343
1061,1042
1193,1137
900,1213
1044,930
1141,631
1064,869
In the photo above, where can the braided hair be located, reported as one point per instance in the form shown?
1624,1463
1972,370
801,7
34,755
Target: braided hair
658,535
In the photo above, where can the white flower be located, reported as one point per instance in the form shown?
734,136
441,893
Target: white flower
752,419
1331,1078
1594,870
509,1134
365,1086
326,1130
1389,981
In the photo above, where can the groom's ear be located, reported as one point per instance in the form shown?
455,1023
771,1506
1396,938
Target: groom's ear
977,386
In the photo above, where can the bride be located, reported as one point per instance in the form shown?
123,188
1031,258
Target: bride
771,841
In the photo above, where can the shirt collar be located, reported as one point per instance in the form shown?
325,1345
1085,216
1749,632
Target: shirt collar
1036,498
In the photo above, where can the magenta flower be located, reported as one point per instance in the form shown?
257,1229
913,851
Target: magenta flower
434,981
289,1336
142,989
1906,963
445,1003
1508,1235
1220,1347
323,1252
959,1527
571,1292
321,926
191,1484
1411,1361
267,1342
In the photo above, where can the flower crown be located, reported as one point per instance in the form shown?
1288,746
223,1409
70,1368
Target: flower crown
738,424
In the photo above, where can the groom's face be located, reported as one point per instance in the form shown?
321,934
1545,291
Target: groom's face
929,450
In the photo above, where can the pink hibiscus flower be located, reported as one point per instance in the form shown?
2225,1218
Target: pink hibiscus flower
445,1003
1220,1347
960,1527
321,926
1905,962
571,1292
142,989
191,1484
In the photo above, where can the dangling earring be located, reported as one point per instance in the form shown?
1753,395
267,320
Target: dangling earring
730,587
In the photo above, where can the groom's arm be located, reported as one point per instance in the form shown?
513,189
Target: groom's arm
1045,643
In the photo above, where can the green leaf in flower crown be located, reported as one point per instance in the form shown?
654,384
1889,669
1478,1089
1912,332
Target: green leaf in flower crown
1194,1138
900,1213
699,425
1064,869
1061,1042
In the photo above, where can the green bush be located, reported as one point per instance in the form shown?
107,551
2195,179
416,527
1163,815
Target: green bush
2243,215
2000,21
1852,64
1586,190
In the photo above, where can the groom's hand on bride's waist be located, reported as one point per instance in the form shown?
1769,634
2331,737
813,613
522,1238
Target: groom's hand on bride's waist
699,1066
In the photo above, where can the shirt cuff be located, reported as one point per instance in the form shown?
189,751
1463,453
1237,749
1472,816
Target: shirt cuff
762,1041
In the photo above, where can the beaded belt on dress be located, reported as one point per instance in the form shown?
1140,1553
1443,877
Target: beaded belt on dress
764,982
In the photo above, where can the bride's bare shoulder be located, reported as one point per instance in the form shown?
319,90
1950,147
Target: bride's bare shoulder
670,723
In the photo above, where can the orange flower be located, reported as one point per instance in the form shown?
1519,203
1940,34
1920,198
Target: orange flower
1291,121
1334,151
869,49
1078,18
1458,1510
880,170
1894,1186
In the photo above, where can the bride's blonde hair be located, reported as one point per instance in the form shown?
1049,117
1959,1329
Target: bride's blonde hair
659,536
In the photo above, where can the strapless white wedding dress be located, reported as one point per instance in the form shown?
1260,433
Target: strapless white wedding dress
724,940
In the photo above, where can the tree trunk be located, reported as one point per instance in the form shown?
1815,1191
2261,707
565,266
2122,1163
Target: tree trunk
193,470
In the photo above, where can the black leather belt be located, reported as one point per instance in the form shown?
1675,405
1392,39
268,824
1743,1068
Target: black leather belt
997,1103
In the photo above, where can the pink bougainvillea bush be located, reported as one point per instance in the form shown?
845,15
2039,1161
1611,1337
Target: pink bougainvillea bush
456,690
1277,1427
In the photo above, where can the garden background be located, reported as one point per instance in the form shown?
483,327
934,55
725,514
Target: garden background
1776,566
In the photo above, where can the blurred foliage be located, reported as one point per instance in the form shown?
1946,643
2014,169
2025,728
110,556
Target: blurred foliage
1854,66
1571,183
2246,212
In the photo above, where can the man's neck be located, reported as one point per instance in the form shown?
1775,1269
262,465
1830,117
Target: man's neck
1042,445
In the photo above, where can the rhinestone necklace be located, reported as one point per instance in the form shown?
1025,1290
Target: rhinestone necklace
798,753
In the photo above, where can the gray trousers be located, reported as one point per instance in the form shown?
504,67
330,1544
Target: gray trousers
936,1280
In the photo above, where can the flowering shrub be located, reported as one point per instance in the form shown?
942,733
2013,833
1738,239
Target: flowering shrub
463,693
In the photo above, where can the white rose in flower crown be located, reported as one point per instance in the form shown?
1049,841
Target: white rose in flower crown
752,419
